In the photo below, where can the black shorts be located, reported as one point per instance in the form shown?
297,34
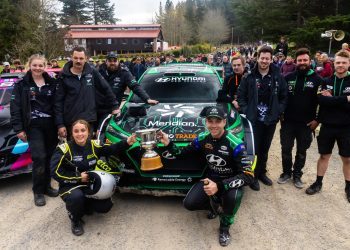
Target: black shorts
329,135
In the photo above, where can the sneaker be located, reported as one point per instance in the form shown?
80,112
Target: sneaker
77,227
51,192
266,180
283,178
255,185
224,236
314,188
298,183
39,200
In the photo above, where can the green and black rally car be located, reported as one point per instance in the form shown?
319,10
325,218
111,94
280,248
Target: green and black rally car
183,92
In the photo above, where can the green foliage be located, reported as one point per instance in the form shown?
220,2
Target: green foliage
102,11
310,34
75,12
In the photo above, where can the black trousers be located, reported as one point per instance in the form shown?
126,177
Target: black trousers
289,132
42,140
78,205
197,199
263,135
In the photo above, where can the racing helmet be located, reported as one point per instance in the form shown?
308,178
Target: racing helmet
101,185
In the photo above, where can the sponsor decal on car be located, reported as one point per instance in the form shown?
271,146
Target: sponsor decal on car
185,136
169,110
199,79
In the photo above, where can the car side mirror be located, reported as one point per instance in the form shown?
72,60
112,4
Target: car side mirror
136,110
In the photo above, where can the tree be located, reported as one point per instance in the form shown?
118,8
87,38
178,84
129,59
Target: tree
214,28
75,12
103,12
9,28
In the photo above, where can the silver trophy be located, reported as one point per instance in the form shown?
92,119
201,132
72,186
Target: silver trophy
150,159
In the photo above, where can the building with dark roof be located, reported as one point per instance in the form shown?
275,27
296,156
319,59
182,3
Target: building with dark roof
121,38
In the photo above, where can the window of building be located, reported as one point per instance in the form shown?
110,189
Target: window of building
109,41
98,41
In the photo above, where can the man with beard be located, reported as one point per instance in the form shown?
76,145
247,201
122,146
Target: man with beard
119,78
299,120
228,93
262,97
76,94
334,115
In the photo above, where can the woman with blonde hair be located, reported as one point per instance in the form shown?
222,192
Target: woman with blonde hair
32,120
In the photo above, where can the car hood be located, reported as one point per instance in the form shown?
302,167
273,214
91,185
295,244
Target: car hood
181,121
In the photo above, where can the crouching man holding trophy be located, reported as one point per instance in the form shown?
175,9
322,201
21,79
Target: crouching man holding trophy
228,169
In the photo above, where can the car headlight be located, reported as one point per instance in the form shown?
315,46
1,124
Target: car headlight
236,130
114,133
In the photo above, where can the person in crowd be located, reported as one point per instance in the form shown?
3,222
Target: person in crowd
32,119
228,93
76,96
70,166
316,62
334,115
262,97
7,68
54,64
138,68
345,46
223,183
282,47
227,67
288,66
157,62
18,66
119,78
299,119
326,70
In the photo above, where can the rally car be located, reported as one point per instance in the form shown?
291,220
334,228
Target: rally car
14,153
184,91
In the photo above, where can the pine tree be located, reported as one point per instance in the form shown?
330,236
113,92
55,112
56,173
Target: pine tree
9,26
103,12
75,12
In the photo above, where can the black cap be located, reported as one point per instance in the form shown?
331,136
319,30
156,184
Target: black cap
112,55
216,112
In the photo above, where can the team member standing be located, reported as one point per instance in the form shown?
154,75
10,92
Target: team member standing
32,119
227,170
334,115
228,93
262,97
70,165
76,97
119,78
299,119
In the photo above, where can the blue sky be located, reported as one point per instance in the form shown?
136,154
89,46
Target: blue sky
137,11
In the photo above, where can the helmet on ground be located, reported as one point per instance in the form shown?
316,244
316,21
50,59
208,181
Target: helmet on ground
101,185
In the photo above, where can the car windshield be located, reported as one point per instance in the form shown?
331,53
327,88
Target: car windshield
184,87
5,96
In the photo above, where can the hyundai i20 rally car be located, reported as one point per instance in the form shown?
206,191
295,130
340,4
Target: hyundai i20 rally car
14,153
183,91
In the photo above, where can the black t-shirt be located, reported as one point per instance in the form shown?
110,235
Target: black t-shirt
263,84
41,100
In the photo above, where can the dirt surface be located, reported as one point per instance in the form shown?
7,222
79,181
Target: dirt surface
277,217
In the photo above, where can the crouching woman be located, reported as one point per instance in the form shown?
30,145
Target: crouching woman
70,166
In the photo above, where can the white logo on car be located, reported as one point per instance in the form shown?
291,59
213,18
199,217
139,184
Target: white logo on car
168,110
